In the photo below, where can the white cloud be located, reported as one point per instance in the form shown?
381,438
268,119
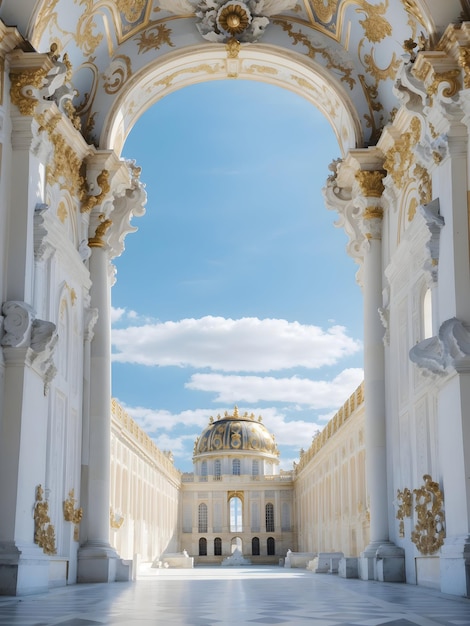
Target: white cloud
116,314
316,394
246,344
153,420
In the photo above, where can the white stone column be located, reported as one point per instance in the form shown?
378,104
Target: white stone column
120,195
381,560
100,401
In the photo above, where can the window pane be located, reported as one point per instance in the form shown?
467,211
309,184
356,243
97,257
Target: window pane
202,518
236,515
269,518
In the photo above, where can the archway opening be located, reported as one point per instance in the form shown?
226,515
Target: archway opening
236,266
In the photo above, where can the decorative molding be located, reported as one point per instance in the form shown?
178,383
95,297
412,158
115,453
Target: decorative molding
222,20
338,197
17,324
434,222
90,319
126,206
44,532
429,532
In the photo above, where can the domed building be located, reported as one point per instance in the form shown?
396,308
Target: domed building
237,497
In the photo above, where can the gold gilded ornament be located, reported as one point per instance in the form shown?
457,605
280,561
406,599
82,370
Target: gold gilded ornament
234,19
428,535
371,182
22,89
91,201
44,533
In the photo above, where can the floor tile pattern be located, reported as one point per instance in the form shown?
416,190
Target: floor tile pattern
235,596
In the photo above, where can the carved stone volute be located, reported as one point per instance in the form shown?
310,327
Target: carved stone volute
37,338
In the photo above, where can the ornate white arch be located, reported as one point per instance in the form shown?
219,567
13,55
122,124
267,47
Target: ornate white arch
264,63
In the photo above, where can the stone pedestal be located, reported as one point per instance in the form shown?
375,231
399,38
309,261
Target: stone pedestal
24,569
390,564
347,567
455,566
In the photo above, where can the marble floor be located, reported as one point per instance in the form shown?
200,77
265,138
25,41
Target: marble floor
232,596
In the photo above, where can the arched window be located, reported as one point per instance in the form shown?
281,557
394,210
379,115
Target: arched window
202,546
236,515
217,469
269,518
204,471
202,518
271,546
236,467
218,546
255,546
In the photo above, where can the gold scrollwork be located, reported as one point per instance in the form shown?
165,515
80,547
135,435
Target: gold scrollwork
324,12
131,9
84,37
399,160
312,51
21,90
44,532
91,201
154,38
121,72
429,532
464,62
452,77
405,498
72,514
375,26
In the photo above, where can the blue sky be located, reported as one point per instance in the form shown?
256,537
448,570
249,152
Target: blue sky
236,288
